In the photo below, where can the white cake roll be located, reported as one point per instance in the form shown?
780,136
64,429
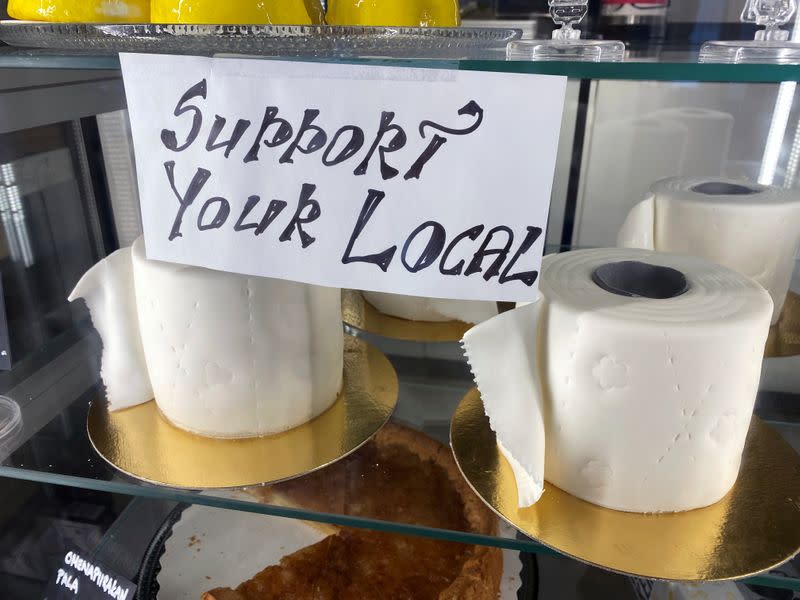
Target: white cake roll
634,403
748,227
417,308
226,355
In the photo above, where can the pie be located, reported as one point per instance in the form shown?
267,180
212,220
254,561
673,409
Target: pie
400,476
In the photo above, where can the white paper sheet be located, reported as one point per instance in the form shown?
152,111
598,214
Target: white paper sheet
492,139
502,353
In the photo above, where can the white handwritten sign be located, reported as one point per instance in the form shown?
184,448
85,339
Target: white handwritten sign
429,182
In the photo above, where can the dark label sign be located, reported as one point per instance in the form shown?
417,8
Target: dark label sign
83,579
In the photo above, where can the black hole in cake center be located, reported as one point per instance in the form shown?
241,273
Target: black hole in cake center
724,188
640,280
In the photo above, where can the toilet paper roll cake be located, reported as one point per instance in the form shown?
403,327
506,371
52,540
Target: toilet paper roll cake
225,355
751,228
630,383
416,308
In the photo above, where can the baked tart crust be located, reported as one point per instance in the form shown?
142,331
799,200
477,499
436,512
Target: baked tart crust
401,476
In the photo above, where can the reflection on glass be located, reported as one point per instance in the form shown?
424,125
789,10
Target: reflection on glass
46,241
13,217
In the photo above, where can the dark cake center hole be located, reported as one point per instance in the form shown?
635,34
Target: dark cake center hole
640,280
724,188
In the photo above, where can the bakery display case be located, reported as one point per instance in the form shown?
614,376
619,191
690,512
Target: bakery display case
204,434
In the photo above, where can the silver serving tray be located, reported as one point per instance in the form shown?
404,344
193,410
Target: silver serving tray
264,40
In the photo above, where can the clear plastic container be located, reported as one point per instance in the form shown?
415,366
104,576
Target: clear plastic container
10,421
772,45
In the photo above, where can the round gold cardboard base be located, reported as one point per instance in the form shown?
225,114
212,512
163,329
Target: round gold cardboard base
784,336
139,441
752,529
359,313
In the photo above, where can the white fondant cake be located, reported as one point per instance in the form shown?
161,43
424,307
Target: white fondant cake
747,227
416,308
633,403
227,355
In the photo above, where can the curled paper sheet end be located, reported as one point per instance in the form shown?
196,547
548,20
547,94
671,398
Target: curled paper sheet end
638,230
502,354
109,291
533,488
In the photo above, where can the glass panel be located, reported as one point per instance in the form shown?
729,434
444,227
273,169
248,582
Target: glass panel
688,129
38,521
429,391
661,65
46,242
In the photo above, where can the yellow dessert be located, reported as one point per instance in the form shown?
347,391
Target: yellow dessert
81,11
238,12
399,13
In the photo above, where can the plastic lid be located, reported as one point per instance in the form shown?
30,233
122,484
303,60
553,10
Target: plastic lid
10,419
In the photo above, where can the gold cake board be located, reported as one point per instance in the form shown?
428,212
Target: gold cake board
140,442
784,336
359,313
754,528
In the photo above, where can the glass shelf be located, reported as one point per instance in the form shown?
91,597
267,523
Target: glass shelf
57,450
652,65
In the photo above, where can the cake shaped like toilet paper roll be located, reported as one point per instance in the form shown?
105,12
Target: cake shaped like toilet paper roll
225,355
417,308
635,403
751,228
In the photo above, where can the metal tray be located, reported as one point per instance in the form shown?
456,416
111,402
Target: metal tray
265,40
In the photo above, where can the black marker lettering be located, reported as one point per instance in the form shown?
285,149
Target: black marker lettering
471,108
274,209
219,219
432,249
354,145
219,124
283,133
527,277
319,139
185,200
416,169
398,141
472,234
168,137
381,259
297,222
251,203
476,266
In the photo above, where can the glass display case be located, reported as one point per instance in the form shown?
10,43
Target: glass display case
69,199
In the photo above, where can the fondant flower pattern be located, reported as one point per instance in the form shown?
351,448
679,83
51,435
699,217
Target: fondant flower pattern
611,374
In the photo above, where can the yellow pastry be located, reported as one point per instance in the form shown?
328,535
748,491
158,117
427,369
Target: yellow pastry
238,12
399,13
81,11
